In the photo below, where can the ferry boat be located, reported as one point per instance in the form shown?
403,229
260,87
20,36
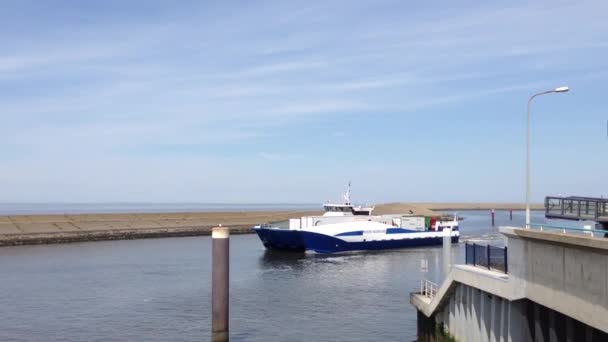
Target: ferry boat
345,227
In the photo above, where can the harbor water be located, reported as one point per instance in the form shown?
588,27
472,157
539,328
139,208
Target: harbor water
160,289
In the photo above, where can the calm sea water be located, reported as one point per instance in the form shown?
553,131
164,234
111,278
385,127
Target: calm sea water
159,290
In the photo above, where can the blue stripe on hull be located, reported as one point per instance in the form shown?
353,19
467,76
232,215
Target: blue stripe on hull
327,244
297,240
281,239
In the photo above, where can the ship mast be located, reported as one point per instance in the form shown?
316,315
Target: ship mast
347,195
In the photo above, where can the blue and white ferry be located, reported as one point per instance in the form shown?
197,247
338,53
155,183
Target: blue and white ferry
345,227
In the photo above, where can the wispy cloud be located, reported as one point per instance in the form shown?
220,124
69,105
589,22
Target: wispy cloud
319,106
270,156
237,76
278,68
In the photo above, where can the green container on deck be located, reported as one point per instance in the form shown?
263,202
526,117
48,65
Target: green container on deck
427,222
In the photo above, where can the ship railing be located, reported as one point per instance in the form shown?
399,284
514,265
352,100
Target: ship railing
570,230
428,288
486,256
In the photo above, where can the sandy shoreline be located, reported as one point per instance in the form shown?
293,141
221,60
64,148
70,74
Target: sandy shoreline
43,229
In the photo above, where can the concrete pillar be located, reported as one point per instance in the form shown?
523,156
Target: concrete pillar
538,327
552,327
451,324
220,272
504,329
477,314
519,329
486,315
494,328
447,251
570,330
470,306
588,334
462,312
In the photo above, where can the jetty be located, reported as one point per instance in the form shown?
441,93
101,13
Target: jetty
45,229
64,228
578,208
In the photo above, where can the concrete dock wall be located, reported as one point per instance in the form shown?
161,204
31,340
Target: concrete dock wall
566,273
556,290
475,315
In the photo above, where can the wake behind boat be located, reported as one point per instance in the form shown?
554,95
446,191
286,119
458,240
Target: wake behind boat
345,227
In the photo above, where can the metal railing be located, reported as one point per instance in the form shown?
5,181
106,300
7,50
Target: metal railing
486,256
428,288
565,230
576,208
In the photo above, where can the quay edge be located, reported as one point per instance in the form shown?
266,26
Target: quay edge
556,289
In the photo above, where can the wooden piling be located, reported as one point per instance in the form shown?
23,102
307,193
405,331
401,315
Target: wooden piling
493,214
220,237
511,214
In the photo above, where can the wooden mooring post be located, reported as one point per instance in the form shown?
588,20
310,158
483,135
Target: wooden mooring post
220,274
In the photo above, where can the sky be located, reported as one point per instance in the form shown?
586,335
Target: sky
287,101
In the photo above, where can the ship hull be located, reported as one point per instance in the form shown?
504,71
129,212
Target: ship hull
281,239
300,241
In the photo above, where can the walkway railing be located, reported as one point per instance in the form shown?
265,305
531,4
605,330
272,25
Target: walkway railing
486,256
565,230
576,208
428,288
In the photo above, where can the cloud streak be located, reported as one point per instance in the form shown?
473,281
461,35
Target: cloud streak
203,80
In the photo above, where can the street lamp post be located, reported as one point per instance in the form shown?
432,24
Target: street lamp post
556,90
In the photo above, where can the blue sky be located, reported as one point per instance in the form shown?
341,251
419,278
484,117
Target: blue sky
159,101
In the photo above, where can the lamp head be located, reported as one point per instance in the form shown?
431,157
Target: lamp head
561,89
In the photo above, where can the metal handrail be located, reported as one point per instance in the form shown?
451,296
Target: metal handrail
491,257
576,207
564,230
428,288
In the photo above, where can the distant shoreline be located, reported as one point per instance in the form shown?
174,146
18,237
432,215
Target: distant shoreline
58,208
63,228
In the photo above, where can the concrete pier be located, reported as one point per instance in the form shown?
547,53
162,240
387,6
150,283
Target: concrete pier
556,290
447,251
62,228
45,229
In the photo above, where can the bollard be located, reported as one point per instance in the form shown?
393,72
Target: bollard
447,251
220,274
493,214
511,214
